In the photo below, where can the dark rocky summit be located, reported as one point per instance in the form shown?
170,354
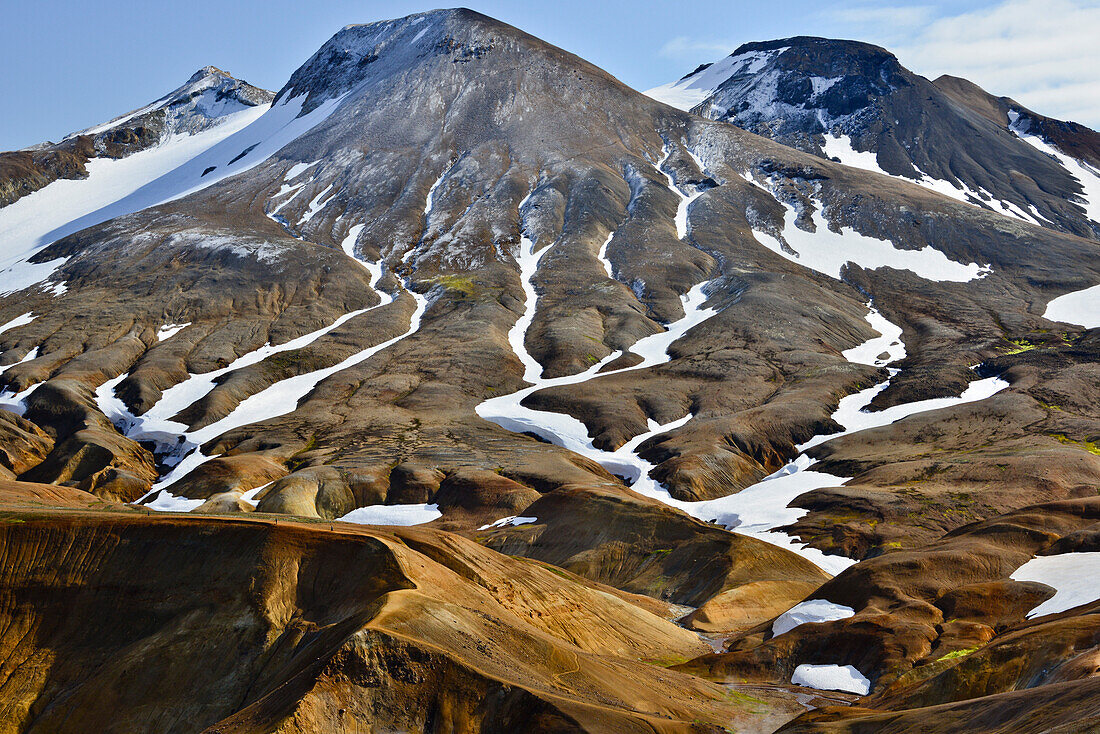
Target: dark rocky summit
806,91
595,345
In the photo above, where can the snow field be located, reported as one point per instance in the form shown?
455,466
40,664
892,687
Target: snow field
66,206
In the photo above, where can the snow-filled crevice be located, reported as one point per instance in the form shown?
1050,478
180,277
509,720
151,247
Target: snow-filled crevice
179,447
429,208
828,252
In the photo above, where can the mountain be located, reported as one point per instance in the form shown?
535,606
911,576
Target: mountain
85,178
206,100
855,102
647,380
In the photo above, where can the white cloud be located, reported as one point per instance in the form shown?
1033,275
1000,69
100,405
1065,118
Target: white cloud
899,17
683,47
1043,53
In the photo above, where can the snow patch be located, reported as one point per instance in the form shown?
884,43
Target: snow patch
686,200
688,92
170,330
298,169
831,678
21,320
810,612
17,402
1086,175
250,495
315,205
509,521
888,342
1080,307
1072,575
755,510
851,415
828,252
393,514
840,147
282,397
33,354
602,255
167,502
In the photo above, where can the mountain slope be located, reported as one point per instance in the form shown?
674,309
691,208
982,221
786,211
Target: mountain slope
855,102
56,189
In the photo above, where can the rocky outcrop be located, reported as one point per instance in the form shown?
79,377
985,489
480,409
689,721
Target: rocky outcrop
642,546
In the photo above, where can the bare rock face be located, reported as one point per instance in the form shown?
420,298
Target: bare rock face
23,444
87,452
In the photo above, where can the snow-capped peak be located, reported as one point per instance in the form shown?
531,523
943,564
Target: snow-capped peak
688,92
207,96
358,53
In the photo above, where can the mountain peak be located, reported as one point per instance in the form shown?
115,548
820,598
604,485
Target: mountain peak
804,80
360,52
854,101
819,44
208,71
207,96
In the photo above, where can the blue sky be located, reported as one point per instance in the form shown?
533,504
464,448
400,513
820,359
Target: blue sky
69,65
